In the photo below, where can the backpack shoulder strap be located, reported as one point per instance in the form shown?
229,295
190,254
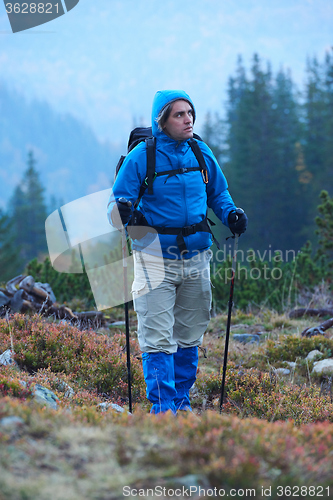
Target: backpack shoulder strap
200,158
151,163
150,172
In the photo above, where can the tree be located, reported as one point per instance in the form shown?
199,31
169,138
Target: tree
319,124
294,176
28,212
325,228
328,149
314,123
263,120
277,153
10,263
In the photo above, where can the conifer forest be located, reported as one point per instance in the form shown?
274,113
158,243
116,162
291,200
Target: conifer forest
274,142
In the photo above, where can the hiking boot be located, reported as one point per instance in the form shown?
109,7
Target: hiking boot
158,370
186,364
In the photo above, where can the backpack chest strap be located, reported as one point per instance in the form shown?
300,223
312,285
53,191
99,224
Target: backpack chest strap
151,166
176,171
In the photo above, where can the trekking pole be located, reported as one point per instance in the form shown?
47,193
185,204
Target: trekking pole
230,303
128,350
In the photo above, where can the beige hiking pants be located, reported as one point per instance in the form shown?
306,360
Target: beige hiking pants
172,299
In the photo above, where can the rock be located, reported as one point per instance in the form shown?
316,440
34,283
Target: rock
282,371
113,406
10,422
291,364
7,358
117,408
323,366
246,338
45,397
314,354
194,391
66,389
103,406
117,323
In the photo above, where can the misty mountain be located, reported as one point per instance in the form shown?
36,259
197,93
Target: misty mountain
71,161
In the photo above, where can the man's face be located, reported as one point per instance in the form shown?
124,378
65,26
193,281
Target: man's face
179,125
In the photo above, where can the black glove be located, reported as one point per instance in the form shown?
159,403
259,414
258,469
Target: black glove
237,220
138,226
121,213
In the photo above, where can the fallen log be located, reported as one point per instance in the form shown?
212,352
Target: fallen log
11,285
21,303
61,312
39,297
298,313
318,330
29,295
4,299
94,319
27,283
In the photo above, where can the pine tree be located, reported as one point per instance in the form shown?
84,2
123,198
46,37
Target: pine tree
315,118
328,148
10,263
325,227
294,177
261,169
318,131
28,212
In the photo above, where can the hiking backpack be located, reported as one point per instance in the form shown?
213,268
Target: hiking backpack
140,134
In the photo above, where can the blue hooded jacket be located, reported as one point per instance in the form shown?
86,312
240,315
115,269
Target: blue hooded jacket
179,200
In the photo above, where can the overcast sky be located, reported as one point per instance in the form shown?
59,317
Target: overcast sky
104,60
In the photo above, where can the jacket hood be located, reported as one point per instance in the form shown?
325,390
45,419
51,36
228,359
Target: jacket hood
161,99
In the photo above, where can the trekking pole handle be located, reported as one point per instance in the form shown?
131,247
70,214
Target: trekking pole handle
123,201
237,213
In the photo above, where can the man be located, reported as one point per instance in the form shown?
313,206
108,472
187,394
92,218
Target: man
173,316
